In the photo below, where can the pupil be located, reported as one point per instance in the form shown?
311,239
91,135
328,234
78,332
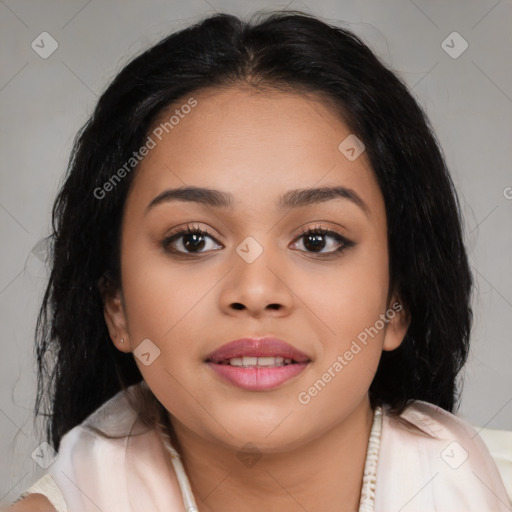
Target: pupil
195,245
317,243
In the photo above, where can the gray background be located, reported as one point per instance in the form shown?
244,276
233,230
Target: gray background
44,102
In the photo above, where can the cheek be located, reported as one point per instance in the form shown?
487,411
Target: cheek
168,303
161,300
158,292
351,308
350,299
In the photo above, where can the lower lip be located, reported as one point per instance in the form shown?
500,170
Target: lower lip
257,379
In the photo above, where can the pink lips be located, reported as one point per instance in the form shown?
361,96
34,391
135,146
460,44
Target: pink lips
257,378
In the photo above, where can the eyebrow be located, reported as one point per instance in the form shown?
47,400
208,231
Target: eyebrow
290,199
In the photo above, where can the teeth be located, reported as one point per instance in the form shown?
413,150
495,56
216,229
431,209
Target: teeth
269,361
258,361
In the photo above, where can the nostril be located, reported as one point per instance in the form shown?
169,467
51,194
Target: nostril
238,305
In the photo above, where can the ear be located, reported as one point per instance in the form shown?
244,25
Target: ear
115,317
398,323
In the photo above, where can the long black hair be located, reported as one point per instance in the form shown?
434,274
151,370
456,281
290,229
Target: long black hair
78,366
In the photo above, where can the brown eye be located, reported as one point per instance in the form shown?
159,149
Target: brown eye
189,241
322,241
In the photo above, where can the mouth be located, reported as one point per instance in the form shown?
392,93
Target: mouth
257,364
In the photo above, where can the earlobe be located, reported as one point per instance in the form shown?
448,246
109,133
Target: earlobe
398,323
115,318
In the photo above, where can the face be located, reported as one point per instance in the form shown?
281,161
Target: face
249,268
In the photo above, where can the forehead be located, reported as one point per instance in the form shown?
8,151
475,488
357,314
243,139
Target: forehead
253,144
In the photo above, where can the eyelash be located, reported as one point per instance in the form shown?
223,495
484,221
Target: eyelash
311,231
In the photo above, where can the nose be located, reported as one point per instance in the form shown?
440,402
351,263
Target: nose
258,287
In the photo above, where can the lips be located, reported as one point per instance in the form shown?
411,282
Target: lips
257,364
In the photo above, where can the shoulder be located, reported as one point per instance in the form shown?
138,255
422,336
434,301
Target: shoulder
104,432
102,435
44,496
440,433
430,421
100,461
33,503
440,461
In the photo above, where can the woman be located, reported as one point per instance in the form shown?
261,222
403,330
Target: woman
260,296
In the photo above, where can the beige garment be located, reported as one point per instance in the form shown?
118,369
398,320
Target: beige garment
499,443
429,461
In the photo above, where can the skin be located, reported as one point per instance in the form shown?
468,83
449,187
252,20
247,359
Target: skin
33,503
257,146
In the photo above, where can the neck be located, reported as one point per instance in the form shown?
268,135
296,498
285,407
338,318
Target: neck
323,474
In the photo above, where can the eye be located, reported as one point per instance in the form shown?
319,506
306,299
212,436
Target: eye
317,240
192,240
323,241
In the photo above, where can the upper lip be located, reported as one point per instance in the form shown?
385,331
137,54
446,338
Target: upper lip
267,346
